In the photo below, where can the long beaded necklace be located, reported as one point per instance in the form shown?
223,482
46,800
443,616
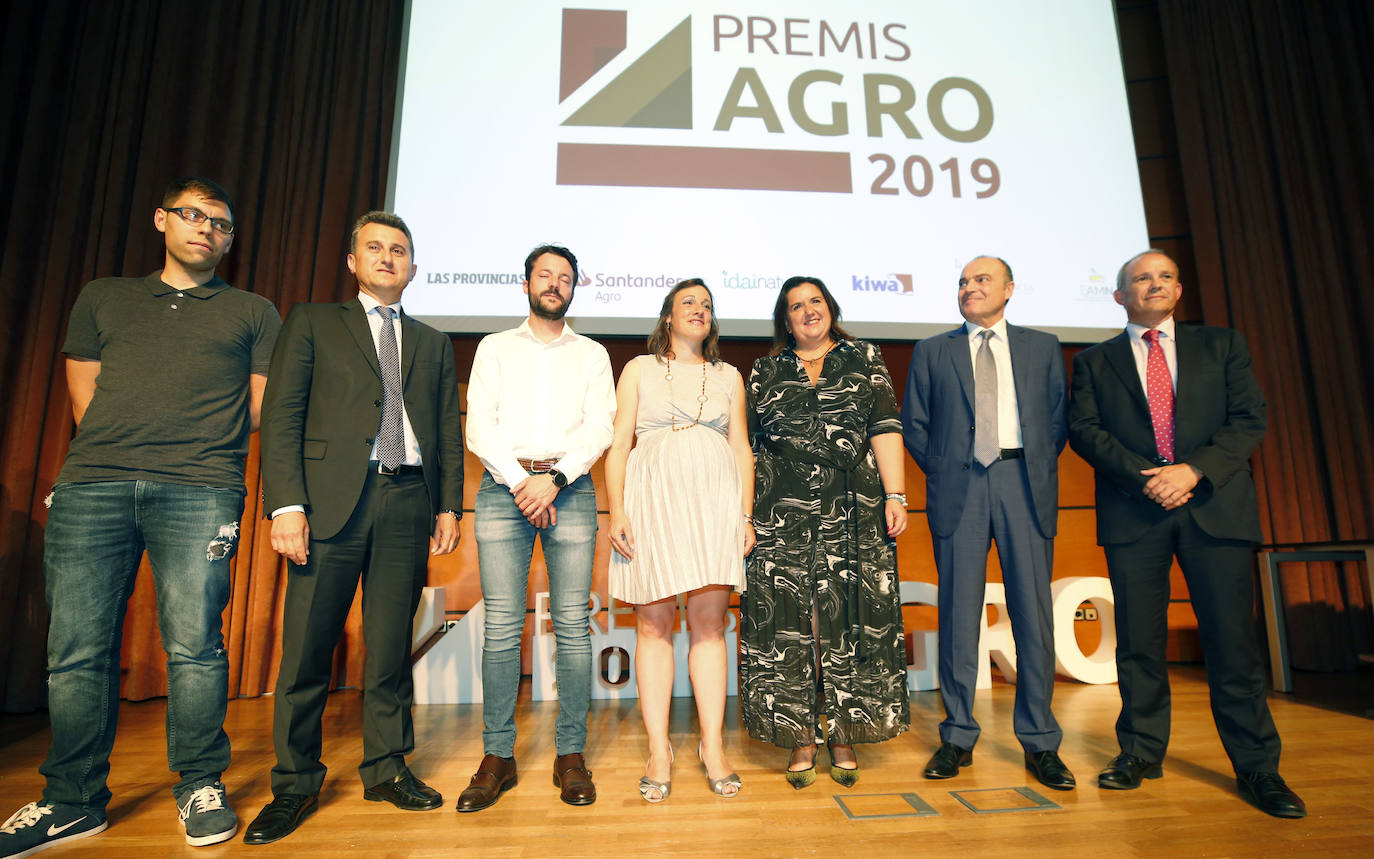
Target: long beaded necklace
701,398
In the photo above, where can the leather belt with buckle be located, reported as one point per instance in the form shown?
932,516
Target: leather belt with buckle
537,466
394,472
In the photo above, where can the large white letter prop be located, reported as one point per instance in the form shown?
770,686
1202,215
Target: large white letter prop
450,672
1068,594
923,674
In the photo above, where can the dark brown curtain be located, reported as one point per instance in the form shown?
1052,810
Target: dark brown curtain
1276,134
290,106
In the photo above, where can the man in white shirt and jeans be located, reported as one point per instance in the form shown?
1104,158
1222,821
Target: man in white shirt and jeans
541,402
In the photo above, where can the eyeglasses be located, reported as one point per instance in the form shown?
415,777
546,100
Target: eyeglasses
196,216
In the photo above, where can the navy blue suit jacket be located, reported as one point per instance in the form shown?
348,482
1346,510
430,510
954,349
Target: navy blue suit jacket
938,421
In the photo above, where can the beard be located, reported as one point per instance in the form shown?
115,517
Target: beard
551,314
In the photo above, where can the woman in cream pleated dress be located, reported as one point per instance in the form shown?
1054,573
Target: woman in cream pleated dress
680,477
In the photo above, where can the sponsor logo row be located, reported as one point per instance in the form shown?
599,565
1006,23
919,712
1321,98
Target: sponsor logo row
1096,287
896,284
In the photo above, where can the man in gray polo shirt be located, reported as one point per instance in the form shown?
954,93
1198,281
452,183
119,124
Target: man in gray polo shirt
166,375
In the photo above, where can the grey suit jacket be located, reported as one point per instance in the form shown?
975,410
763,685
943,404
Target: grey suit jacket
323,406
938,420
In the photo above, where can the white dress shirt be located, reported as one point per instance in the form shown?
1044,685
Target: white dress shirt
374,321
1008,416
1141,350
533,400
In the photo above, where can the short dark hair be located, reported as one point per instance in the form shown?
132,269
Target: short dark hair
660,342
556,250
386,219
782,338
207,188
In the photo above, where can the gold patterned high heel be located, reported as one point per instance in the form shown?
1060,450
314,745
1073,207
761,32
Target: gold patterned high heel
844,776
802,778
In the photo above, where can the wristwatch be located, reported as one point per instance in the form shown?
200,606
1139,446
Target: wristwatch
559,478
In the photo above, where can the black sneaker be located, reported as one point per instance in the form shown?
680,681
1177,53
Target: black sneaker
206,816
38,826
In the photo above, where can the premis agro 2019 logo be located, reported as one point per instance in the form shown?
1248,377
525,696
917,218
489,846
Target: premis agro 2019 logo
856,64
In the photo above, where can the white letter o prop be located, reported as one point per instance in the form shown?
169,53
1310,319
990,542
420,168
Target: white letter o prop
1068,594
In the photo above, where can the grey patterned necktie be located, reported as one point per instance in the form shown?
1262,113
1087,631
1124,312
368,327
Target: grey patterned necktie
985,442
390,437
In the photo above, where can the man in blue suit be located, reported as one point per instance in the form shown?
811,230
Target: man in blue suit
984,418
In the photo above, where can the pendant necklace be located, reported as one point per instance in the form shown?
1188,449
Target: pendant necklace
810,361
701,398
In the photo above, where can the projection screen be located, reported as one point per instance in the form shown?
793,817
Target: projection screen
877,145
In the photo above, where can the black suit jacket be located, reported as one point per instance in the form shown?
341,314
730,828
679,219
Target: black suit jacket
938,420
1218,422
323,406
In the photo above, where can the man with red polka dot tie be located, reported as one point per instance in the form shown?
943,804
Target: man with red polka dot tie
1168,416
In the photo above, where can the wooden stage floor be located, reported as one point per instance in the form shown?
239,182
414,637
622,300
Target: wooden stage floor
1193,811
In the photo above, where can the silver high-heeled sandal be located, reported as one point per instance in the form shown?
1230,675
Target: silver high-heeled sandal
718,785
648,786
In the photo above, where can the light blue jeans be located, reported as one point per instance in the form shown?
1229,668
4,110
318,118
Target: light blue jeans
505,545
96,536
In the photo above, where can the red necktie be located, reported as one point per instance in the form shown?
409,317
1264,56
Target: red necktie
1159,387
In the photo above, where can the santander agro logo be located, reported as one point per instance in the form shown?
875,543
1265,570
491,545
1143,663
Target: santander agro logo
856,66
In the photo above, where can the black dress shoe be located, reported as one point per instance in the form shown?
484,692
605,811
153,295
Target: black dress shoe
1125,772
406,792
494,776
280,817
1270,795
946,761
573,779
1050,770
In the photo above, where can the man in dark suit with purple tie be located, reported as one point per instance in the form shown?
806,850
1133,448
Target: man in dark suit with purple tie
1168,416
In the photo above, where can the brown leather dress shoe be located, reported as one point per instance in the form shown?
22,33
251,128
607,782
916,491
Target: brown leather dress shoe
574,780
494,777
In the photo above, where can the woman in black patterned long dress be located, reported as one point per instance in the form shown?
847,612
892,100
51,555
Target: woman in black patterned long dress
820,618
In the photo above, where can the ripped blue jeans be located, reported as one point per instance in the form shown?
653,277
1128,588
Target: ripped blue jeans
96,536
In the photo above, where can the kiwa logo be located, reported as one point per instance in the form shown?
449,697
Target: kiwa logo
655,91
896,284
